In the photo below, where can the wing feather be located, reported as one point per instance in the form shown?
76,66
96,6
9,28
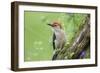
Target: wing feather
54,38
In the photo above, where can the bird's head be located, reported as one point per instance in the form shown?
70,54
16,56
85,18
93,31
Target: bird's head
55,24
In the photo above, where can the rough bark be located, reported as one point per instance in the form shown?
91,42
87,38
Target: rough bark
80,43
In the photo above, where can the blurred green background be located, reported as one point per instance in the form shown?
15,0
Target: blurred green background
38,35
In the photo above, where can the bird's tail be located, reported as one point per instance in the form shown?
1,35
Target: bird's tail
54,56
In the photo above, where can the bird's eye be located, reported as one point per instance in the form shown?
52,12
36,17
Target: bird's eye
55,25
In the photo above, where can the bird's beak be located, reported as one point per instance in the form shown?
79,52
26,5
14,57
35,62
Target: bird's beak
49,24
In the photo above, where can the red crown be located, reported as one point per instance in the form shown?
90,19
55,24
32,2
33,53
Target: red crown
56,23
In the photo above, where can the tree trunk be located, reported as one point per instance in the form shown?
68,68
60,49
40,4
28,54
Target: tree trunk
79,44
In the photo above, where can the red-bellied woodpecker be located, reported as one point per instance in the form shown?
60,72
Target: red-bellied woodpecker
59,37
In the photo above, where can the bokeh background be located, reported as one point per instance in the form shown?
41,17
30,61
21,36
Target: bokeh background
38,35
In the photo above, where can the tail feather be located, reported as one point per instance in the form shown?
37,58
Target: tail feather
54,56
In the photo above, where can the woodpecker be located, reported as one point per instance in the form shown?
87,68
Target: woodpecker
59,37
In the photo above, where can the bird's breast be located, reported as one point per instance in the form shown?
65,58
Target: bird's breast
60,36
